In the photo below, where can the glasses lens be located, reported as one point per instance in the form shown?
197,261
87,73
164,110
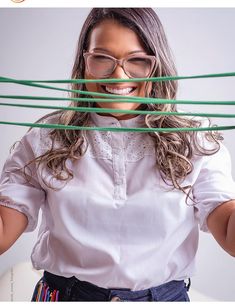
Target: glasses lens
100,65
138,66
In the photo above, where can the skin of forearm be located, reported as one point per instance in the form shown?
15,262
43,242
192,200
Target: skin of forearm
1,233
230,237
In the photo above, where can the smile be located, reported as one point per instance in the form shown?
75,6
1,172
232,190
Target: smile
119,91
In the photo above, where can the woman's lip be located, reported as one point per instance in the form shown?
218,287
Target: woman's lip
119,87
131,93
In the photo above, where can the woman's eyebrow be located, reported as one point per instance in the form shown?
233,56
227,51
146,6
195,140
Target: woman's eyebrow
108,51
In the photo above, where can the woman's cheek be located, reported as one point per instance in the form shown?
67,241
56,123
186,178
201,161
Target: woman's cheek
89,87
92,87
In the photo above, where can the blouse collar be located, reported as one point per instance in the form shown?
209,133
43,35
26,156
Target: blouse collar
105,121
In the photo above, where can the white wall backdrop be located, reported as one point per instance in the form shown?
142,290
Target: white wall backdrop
40,44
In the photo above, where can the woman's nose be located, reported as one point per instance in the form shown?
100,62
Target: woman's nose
119,73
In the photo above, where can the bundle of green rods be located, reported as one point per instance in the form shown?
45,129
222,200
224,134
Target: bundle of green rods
107,98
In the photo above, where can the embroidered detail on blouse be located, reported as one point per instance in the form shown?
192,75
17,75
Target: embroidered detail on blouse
100,144
136,145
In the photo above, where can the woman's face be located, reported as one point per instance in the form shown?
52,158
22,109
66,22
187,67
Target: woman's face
111,38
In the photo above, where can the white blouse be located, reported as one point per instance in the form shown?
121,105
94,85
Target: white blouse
116,224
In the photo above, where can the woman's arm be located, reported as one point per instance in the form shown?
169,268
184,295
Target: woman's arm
12,225
221,223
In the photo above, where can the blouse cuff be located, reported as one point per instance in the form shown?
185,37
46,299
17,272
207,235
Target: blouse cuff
10,204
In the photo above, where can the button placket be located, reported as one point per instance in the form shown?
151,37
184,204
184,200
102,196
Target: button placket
118,166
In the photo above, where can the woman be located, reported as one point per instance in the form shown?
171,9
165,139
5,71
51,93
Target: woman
120,210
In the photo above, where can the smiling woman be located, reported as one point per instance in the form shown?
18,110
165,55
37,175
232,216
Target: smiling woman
120,211
125,59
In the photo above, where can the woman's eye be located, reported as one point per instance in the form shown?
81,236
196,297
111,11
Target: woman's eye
137,60
100,57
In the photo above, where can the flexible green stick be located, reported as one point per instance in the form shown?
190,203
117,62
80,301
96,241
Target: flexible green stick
110,110
31,84
152,79
126,100
115,80
121,129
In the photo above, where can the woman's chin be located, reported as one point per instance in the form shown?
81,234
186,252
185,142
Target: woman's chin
119,116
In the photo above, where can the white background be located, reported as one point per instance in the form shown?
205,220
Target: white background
40,44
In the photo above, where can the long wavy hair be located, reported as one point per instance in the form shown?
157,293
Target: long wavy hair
174,149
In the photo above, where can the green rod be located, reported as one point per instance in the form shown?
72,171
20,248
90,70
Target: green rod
110,110
114,129
115,80
127,100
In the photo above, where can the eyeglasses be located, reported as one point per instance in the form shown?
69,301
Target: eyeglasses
100,65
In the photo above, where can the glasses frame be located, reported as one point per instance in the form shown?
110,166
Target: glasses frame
121,62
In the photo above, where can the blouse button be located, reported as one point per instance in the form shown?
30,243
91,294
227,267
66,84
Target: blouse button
119,181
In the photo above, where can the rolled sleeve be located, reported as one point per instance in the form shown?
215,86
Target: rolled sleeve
214,185
18,192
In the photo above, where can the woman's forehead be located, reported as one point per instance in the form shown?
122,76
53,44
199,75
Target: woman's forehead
109,34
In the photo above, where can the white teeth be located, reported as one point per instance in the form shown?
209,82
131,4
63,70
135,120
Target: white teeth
123,91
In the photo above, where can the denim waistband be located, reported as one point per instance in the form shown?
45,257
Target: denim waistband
160,292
